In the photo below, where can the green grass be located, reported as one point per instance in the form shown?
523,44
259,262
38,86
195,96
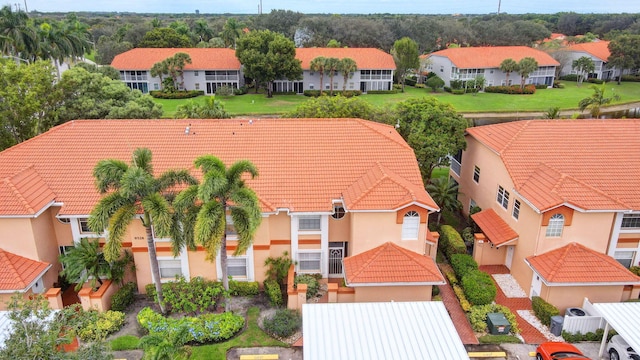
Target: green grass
440,172
544,99
125,342
250,337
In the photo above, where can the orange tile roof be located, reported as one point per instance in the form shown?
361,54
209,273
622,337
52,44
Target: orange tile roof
304,163
599,49
588,164
17,272
486,57
391,263
575,263
366,58
201,58
24,193
494,228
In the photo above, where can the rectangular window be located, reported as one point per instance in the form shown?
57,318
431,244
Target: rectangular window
624,257
351,85
195,73
84,226
472,204
630,221
237,266
516,209
476,174
230,229
311,87
156,86
309,261
503,197
309,223
197,86
169,269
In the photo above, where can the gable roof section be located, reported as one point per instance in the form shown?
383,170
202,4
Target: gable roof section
487,57
366,58
599,49
304,164
381,188
589,164
201,58
575,263
24,193
17,272
494,228
390,263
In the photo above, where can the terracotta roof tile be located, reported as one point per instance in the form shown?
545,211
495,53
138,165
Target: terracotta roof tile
590,164
486,57
303,163
17,272
201,58
391,263
494,228
366,58
575,263
24,193
599,49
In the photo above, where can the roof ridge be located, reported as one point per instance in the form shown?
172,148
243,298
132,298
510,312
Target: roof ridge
30,140
582,183
564,251
411,256
375,183
371,125
18,195
10,265
375,253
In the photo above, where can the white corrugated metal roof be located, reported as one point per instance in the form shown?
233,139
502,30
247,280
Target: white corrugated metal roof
389,330
623,318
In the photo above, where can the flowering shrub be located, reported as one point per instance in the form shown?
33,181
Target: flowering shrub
98,325
203,329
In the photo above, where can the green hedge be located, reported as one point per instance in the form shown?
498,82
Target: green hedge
570,77
346,93
451,242
590,336
462,264
124,297
176,95
371,92
203,329
513,89
244,288
196,295
499,339
633,78
283,323
478,317
479,288
97,325
543,310
272,289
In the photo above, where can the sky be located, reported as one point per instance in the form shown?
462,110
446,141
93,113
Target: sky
332,6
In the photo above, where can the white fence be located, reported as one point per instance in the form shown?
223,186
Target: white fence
584,324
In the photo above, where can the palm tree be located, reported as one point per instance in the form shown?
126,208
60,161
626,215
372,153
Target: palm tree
318,65
445,194
507,66
552,113
331,67
347,67
129,191
210,109
19,39
202,29
172,347
221,192
230,32
175,66
85,262
526,66
158,69
596,101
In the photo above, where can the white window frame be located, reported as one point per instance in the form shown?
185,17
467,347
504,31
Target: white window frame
472,204
164,260
238,260
410,225
230,235
625,255
158,239
309,256
85,221
555,226
633,219
309,217
503,197
516,209
476,174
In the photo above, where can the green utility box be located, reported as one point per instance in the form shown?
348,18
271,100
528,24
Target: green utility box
498,324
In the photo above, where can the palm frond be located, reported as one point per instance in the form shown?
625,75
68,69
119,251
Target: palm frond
104,209
142,158
235,171
210,227
213,185
172,178
209,163
108,174
136,183
118,225
159,210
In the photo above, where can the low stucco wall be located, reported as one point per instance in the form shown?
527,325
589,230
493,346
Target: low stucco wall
392,293
485,254
100,299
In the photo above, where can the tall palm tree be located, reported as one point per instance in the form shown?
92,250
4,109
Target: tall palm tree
129,191
231,32
318,65
202,29
221,192
158,69
172,347
85,262
347,67
19,39
445,194
507,66
331,67
596,101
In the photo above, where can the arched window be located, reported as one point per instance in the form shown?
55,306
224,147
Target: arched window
410,226
556,223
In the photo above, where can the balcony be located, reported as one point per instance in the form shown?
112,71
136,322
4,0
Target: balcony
455,165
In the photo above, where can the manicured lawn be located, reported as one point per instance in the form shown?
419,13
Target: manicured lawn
251,336
440,172
125,342
542,100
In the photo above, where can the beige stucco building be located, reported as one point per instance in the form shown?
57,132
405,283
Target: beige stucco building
560,205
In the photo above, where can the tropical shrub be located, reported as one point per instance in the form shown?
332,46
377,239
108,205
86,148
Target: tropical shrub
278,267
176,95
570,77
635,270
479,287
462,264
478,317
97,325
124,297
283,323
543,310
450,241
590,336
372,92
464,303
225,91
451,276
274,293
313,285
206,328
196,295
244,288
513,89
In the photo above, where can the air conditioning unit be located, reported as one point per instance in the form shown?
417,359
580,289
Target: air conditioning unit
575,311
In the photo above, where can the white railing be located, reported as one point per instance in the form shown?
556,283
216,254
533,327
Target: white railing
455,166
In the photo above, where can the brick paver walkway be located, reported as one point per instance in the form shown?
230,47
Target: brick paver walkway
457,315
530,334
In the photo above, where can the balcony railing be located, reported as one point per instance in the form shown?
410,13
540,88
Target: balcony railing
455,166
221,77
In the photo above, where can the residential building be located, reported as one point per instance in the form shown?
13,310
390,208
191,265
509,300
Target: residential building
597,51
329,189
560,206
467,63
210,68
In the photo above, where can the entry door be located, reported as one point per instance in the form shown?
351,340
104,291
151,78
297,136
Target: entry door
509,259
337,251
536,286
